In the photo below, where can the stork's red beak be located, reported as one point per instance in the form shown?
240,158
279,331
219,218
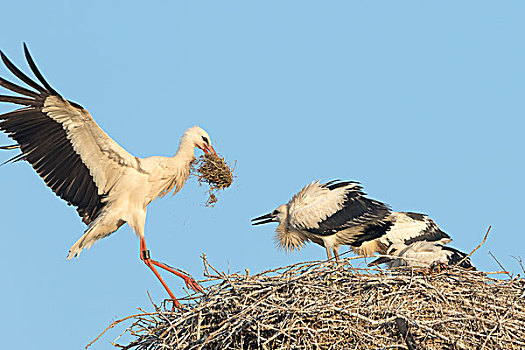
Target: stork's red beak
209,149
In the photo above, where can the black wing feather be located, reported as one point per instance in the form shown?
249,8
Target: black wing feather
431,233
357,210
10,147
14,159
332,185
457,257
18,89
44,142
19,100
36,72
20,75
380,260
371,231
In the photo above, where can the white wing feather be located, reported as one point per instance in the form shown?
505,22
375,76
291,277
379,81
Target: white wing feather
313,204
418,254
406,228
105,159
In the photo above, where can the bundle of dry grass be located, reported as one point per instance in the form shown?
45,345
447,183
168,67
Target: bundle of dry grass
315,305
212,169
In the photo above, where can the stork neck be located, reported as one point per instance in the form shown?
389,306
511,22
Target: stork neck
179,166
186,151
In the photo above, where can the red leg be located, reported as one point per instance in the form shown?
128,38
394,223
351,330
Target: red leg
175,301
190,282
336,253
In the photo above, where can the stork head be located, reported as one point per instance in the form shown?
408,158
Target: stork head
200,138
278,215
285,237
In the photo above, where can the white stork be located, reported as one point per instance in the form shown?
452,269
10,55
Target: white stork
423,254
86,168
338,213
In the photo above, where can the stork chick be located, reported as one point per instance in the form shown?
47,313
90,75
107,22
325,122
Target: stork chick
330,215
338,213
86,168
423,254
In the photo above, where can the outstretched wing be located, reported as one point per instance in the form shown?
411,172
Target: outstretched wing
328,208
65,146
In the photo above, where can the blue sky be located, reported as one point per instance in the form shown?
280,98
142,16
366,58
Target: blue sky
422,102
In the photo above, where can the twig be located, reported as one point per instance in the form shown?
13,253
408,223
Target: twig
504,270
520,262
116,323
479,246
503,318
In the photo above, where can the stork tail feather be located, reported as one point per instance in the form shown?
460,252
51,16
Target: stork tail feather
104,225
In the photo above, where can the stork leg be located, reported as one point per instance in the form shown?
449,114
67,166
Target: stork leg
190,282
336,253
148,263
328,253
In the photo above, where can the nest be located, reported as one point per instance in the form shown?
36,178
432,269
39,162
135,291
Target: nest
315,305
212,170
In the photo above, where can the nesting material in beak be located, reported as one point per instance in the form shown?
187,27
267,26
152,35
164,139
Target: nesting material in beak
212,170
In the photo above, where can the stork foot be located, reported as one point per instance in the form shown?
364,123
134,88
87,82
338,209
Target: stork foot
438,267
190,282
149,263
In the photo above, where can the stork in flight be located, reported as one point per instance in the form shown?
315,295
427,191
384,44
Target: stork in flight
423,254
86,168
339,213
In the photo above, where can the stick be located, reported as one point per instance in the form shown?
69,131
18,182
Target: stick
479,246
116,323
493,257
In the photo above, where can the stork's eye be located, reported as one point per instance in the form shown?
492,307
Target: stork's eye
275,212
205,139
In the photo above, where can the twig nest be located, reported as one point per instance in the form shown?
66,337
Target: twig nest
212,170
314,305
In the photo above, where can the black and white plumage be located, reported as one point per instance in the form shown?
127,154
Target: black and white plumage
423,254
85,167
408,227
339,213
329,214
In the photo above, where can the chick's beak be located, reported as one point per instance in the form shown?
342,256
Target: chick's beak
264,219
